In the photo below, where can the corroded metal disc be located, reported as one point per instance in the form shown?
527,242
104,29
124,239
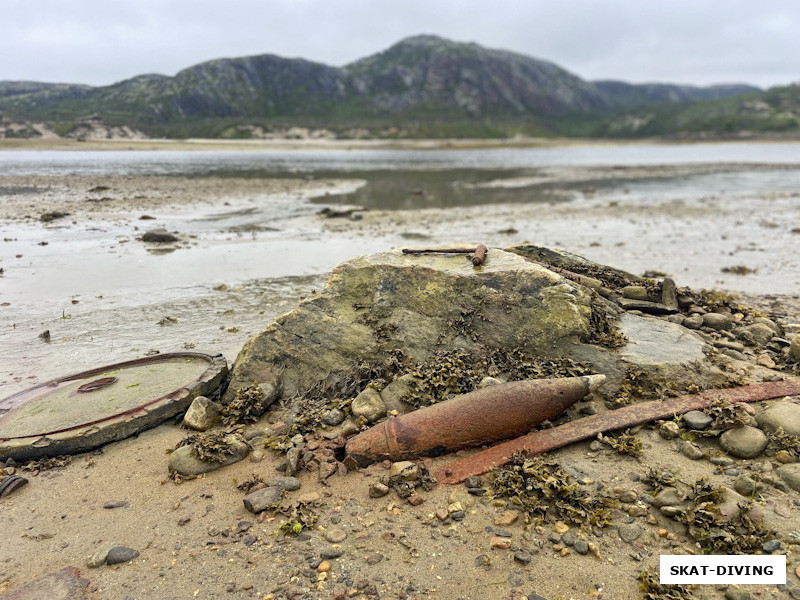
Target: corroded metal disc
82,411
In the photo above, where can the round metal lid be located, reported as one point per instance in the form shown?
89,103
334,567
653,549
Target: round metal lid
82,411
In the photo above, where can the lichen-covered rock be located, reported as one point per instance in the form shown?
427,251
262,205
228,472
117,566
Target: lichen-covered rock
420,303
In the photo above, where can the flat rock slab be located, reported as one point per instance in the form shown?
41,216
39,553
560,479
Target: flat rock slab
653,342
66,584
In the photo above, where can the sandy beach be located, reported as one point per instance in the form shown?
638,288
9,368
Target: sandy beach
247,249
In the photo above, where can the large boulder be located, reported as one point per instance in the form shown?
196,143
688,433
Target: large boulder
421,304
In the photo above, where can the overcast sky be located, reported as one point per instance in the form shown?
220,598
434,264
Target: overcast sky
678,41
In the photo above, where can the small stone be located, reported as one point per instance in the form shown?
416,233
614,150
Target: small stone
99,557
159,236
404,469
692,451
324,566
45,335
693,322
734,354
629,532
500,542
116,504
288,484
568,538
667,497
745,486
256,456
368,404
785,414
760,333
374,559
785,457
560,527
721,460
581,547
794,348
457,515
718,321
671,511
502,533
202,414
120,554
378,490
308,498
333,417
473,481
507,518
669,293
697,420
669,430
743,442
523,557
771,546
442,514
636,292
628,497
790,474
335,535
331,553
765,360
262,499
415,499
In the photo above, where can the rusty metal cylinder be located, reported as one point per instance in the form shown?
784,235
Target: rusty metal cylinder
486,415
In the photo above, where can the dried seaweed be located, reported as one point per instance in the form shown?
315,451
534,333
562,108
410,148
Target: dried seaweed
245,407
211,446
624,443
659,479
779,441
726,415
653,590
301,516
249,484
604,329
543,490
46,463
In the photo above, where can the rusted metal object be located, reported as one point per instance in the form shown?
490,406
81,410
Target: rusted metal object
480,255
482,416
582,429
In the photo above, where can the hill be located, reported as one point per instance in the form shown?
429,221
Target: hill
423,86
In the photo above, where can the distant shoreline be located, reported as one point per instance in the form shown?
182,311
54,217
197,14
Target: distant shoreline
371,144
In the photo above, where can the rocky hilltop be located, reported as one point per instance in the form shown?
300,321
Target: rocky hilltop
420,79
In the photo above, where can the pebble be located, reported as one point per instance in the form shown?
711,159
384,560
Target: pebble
784,414
771,545
99,557
743,442
568,538
405,469
256,456
289,484
502,533
692,451
560,527
628,497
581,547
378,490
629,532
120,554
718,321
472,481
368,404
794,348
442,514
333,417
693,322
697,419
159,236
669,430
488,382
667,497
671,511
765,360
500,542
331,553
116,504
202,414
669,293
457,515
262,499
324,566
636,292
374,559
721,460
523,557
790,474
335,535
745,486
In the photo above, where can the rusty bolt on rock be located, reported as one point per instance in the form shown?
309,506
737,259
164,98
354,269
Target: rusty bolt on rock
486,415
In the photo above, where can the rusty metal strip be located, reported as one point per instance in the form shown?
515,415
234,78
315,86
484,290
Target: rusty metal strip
545,440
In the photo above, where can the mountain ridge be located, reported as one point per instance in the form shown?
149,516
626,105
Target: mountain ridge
419,81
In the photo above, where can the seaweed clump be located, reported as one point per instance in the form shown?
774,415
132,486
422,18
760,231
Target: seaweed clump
726,415
659,479
653,590
245,407
212,446
300,516
780,441
604,329
624,443
543,490
713,531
